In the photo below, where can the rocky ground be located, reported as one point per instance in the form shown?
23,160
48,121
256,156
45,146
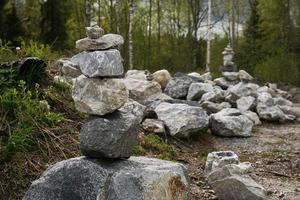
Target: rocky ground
274,151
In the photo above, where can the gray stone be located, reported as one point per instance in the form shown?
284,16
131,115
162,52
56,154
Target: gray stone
100,63
109,136
134,108
194,74
67,68
280,101
228,184
196,90
98,96
223,83
211,107
241,90
219,159
206,76
245,103
268,111
140,90
94,32
289,110
244,76
253,117
178,87
216,96
162,77
230,122
137,74
182,120
105,42
154,126
230,76
159,97
137,178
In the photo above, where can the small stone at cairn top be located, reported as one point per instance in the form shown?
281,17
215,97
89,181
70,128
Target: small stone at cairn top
94,32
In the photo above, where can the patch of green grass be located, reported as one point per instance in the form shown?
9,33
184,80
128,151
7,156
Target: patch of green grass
153,144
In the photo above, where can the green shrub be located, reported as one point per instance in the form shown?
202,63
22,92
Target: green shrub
153,144
6,53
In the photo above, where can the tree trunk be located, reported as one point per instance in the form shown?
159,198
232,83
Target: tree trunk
130,30
88,12
149,32
118,10
158,27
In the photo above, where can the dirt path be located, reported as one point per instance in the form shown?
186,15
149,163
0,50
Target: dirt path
274,151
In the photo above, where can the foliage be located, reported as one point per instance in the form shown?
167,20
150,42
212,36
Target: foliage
30,115
153,144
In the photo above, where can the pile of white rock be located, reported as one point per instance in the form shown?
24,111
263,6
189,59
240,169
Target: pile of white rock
108,172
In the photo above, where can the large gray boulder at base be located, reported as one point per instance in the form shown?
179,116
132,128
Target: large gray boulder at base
110,136
182,120
178,87
100,63
230,122
137,178
140,90
98,96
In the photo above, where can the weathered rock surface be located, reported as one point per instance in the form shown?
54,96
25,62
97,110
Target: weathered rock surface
140,90
229,184
182,120
267,110
223,83
252,116
245,103
178,87
98,96
94,32
105,42
137,178
219,159
100,63
162,77
196,90
154,126
110,136
211,107
135,108
67,68
137,74
231,122
230,76
216,96
244,76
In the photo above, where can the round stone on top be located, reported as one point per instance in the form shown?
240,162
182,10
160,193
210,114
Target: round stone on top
94,32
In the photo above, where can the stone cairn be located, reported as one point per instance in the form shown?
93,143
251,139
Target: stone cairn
107,172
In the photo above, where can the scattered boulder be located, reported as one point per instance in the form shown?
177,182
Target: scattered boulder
100,63
219,159
252,116
267,110
196,90
98,96
216,96
154,126
140,90
245,103
105,42
206,76
244,76
162,77
137,74
178,87
135,108
182,120
137,178
109,136
230,122
67,68
211,107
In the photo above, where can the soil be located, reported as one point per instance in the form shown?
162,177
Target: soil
273,150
